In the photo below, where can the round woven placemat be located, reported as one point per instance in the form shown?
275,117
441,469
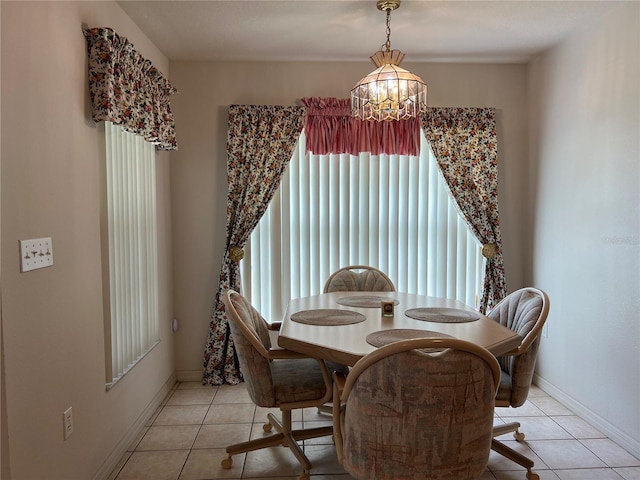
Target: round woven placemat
384,337
365,301
328,317
442,315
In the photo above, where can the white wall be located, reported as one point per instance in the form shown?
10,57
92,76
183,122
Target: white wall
585,219
52,318
198,169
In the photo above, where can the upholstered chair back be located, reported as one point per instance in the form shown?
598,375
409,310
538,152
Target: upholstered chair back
359,278
524,311
418,414
250,335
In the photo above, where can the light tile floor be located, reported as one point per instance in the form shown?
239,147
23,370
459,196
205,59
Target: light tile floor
186,437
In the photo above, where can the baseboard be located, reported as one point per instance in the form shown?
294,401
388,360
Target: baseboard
189,375
631,445
112,461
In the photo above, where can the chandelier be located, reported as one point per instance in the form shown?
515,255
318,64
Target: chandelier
389,92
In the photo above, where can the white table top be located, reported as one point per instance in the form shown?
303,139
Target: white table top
347,343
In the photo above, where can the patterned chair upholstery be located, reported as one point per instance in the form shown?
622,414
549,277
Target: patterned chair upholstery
275,378
525,312
359,278
417,409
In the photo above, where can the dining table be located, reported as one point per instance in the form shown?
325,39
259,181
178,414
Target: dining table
345,326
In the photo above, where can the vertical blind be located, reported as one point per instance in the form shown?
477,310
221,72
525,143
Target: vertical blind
393,212
132,240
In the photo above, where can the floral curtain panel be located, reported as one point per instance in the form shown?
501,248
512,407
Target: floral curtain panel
126,89
465,144
330,128
260,143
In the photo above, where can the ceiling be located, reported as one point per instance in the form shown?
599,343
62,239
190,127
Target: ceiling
347,30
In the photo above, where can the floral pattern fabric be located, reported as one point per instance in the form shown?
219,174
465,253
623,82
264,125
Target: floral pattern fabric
260,142
126,89
464,142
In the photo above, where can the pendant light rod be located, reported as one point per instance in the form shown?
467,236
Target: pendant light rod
388,6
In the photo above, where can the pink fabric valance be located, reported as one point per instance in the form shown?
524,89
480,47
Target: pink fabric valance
330,128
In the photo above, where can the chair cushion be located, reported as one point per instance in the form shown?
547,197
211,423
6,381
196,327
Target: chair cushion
518,312
297,380
503,396
255,368
252,319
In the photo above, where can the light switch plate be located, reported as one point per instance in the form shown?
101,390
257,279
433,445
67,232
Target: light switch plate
36,253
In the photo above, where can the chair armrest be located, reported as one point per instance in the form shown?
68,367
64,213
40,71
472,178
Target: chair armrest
339,379
519,350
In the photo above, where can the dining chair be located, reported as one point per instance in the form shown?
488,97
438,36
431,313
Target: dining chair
417,409
525,312
275,378
358,278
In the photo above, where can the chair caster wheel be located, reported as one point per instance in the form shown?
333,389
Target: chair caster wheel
267,427
519,436
226,463
533,476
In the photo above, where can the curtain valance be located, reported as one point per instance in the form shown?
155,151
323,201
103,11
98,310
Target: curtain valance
128,90
330,128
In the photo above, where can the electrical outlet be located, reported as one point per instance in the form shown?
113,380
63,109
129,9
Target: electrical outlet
67,422
36,253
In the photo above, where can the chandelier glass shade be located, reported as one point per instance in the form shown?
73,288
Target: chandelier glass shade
389,92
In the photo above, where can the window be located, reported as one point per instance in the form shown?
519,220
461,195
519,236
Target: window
393,212
132,286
